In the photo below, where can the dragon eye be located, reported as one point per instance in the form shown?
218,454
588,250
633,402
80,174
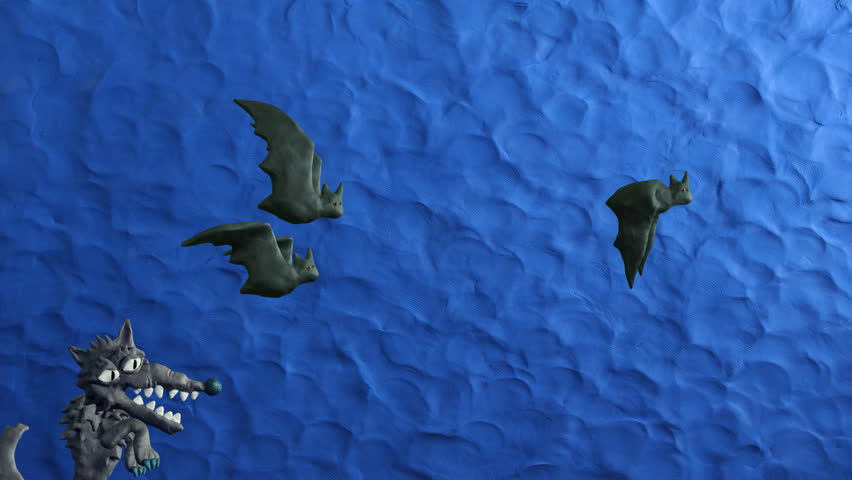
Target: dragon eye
108,376
131,365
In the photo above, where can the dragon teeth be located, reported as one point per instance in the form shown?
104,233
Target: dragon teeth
168,415
159,410
176,418
138,400
150,405
172,393
158,390
137,391
194,395
148,392
183,396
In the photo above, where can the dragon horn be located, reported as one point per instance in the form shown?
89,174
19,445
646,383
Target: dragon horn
125,334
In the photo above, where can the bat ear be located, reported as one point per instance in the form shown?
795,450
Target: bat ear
78,353
125,334
325,189
310,255
339,189
672,180
685,177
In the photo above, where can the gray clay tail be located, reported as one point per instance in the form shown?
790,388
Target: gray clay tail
8,443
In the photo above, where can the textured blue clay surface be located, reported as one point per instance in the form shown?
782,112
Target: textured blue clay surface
472,319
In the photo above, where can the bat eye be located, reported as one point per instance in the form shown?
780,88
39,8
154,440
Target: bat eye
108,376
682,190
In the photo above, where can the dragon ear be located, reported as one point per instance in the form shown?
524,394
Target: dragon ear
125,334
685,177
339,189
325,189
78,353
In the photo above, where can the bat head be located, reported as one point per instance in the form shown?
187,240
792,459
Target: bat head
112,367
680,190
306,269
332,202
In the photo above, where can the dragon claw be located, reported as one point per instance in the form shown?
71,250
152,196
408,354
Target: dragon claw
151,463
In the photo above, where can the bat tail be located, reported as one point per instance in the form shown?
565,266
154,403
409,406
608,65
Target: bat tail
267,204
270,205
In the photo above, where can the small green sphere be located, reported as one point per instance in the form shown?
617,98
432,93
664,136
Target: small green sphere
212,387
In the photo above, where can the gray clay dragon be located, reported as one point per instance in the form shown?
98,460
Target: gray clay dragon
109,416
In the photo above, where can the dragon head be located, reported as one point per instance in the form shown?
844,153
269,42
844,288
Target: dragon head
113,366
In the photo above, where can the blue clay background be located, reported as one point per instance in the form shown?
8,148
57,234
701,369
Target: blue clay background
472,319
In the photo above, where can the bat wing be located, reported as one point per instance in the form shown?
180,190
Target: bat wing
290,162
651,235
285,246
255,247
637,222
315,174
